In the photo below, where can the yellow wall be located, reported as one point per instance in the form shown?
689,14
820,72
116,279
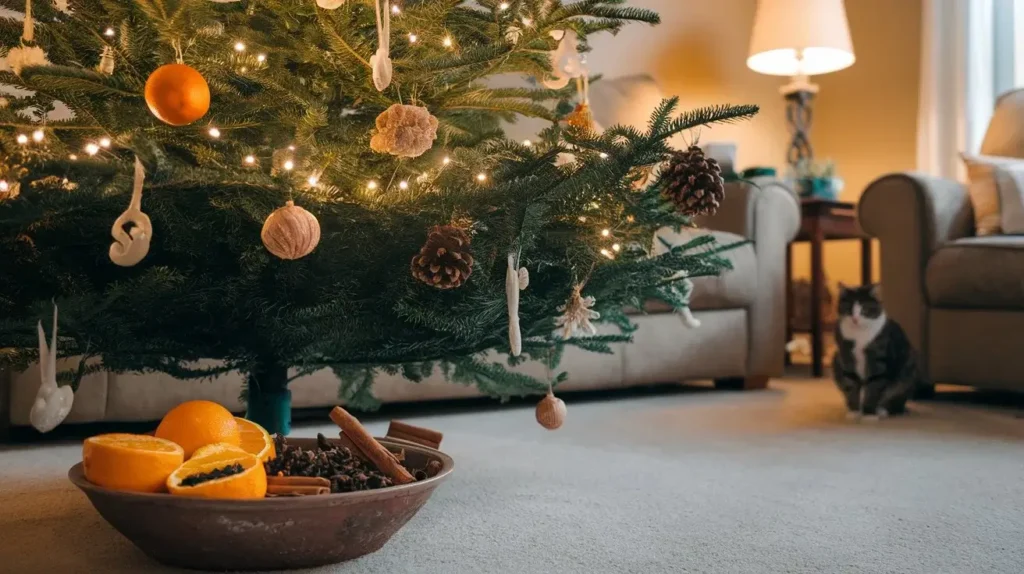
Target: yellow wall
865,117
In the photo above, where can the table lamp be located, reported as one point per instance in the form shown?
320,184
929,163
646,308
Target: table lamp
800,38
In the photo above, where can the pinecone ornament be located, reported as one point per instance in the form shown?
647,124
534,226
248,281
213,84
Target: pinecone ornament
445,261
693,182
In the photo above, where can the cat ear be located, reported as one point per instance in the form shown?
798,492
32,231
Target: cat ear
876,291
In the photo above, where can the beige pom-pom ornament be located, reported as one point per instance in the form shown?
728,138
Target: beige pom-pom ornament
291,232
551,412
405,131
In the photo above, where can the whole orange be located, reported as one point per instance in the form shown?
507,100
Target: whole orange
194,424
177,94
133,462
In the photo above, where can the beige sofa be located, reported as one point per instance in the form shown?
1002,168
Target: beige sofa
740,341
959,297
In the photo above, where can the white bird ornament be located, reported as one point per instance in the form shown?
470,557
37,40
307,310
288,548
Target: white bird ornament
53,403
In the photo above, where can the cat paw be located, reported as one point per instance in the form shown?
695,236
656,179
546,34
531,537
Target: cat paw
853,415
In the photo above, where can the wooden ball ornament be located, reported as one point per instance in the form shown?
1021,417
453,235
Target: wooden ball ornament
177,94
291,232
551,412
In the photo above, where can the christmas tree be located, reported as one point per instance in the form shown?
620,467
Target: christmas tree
410,225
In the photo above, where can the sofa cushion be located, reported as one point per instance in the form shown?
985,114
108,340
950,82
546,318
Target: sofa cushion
733,289
978,273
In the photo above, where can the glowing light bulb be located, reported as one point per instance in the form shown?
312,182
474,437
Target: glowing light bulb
22,139
503,6
38,136
4,186
605,233
583,219
261,58
109,32
630,218
313,180
481,177
239,47
527,143
527,22
92,149
616,247
214,133
603,155
243,69
413,38
447,42
403,184
105,142
73,157
607,254
447,160
396,10
371,185
289,165
250,160
291,148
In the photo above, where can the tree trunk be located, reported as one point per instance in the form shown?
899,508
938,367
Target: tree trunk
269,400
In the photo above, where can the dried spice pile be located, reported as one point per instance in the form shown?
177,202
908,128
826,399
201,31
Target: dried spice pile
216,473
345,471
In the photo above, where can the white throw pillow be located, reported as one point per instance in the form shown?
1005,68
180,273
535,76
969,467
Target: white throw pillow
984,191
1010,180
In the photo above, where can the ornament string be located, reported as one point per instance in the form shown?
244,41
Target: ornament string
130,247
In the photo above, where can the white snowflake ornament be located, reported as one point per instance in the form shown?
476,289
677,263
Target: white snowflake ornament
52,403
577,314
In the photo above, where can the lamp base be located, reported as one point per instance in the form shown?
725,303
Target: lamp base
799,94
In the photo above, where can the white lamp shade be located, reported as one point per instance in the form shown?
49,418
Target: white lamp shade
800,38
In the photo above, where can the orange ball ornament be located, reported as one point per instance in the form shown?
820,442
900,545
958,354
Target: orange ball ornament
177,94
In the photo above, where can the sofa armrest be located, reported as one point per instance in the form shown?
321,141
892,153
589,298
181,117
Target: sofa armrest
912,215
769,215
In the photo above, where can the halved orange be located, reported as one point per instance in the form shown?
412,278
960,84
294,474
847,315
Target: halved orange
255,439
247,483
133,462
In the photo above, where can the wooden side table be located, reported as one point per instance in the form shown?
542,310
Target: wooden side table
821,221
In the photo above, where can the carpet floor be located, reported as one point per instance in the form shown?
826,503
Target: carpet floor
695,481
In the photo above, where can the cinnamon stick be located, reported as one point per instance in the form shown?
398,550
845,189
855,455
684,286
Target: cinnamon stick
288,490
368,446
419,435
298,481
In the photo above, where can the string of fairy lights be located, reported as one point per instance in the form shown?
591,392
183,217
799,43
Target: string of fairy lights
313,179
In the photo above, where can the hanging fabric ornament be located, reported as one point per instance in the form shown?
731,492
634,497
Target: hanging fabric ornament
106,65
405,131
551,411
381,61
330,4
129,247
516,280
22,56
291,232
177,94
53,403
566,63
577,314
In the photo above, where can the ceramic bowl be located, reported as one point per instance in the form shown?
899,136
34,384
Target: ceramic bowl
269,534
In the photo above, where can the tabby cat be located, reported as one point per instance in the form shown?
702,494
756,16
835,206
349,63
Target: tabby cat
875,367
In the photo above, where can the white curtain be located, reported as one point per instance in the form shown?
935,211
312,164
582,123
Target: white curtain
959,75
